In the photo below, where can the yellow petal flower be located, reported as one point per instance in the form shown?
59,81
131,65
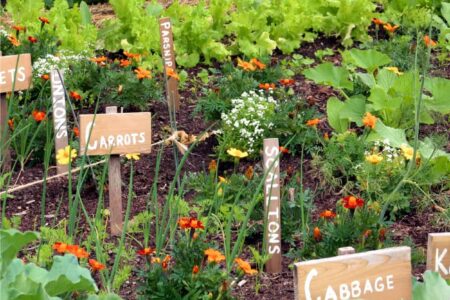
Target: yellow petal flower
394,70
374,158
133,156
237,153
66,155
408,151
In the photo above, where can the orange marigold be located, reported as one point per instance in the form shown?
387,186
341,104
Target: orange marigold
45,77
77,251
212,167
124,63
76,131
369,120
267,86
259,65
195,269
171,73
351,202
74,95
38,116
11,124
99,60
327,214
313,122
60,247
245,267
142,73
44,20
246,66
317,234
95,265
249,173
378,21
390,28
286,82
18,28
15,42
429,42
131,55
184,222
32,39
146,251
214,255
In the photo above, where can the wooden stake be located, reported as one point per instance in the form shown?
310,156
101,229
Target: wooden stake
346,251
115,188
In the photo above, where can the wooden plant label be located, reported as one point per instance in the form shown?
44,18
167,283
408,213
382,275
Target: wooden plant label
59,114
168,57
373,275
104,134
9,73
272,204
438,256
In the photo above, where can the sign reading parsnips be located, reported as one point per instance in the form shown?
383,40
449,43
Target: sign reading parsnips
373,275
104,134
15,72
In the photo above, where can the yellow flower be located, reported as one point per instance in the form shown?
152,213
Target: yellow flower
237,153
394,70
220,192
64,156
374,158
408,151
222,180
133,156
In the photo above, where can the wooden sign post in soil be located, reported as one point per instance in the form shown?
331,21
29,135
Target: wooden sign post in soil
15,75
59,114
373,275
113,134
438,253
272,204
168,57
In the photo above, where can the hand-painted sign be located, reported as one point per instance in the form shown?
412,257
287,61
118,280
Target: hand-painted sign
272,204
104,134
373,275
168,56
15,72
438,253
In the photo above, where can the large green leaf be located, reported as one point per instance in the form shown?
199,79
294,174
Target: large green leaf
334,110
328,74
434,287
369,60
66,275
11,241
86,17
104,297
382,101
428,150
440,88
354,109
396,136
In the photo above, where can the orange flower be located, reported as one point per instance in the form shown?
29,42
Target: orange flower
246,65
77,251
267,86
196,224
11,124
76,131
214,255
327,214
38,115
13,41
146,251
165,262
367,233
390,28
95,265
195,269
99,60
18,28
142,73
212,167
382,234
378,21
369,120
249,173
44,20
184,222
429,42
171,73
32,39
259,65
351,202
124,63
283,150
45,77
131,55
313,122
286,82
74,95
60,247
245,267
317,234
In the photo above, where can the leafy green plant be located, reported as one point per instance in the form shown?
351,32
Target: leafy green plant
432,287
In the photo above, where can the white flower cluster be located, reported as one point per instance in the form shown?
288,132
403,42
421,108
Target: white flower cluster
386,149
248,119
3,32
61,61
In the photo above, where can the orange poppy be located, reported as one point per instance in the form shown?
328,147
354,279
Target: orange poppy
212,167
249,173
11,124
369,120
76,131
44,20
95,265
45,77
378,21
214,255
267,86
18,28
74,95
245,266
286,82
124,63
195,269
351,202
283,150
327,214
390,28
38,115
99,60
317,234
77,251
15,42
259,65
32,39
313,122
146,251
246,66
142,73
429,42
171,73
60,247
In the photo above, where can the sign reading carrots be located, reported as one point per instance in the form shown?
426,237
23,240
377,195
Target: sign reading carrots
15,72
